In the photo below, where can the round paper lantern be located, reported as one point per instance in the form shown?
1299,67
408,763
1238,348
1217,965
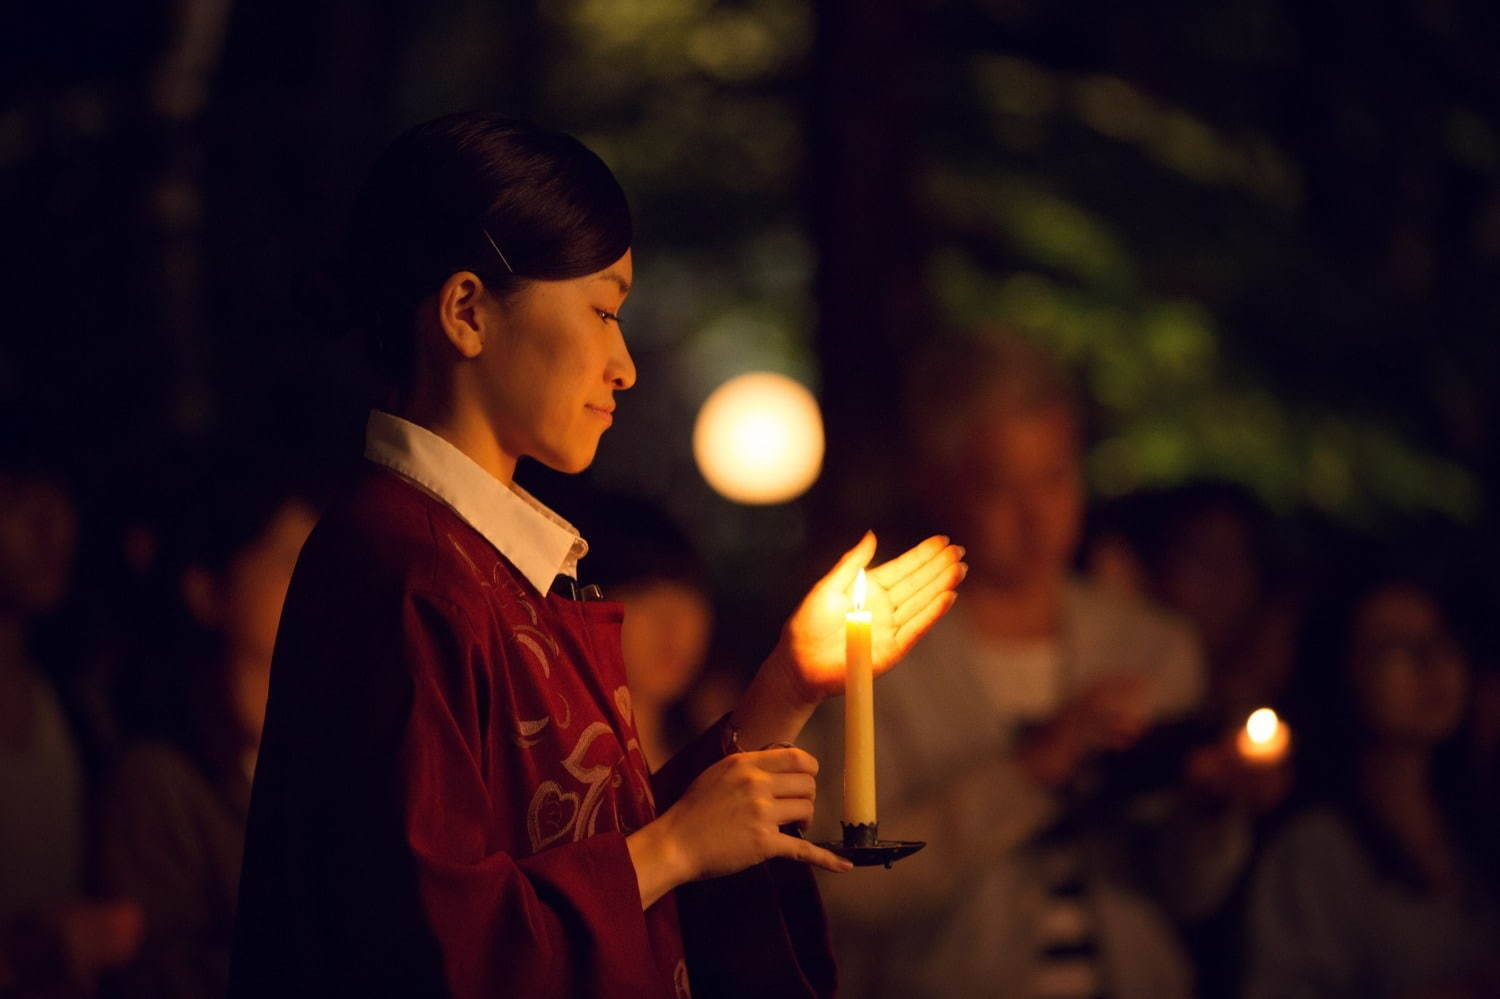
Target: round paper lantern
759,439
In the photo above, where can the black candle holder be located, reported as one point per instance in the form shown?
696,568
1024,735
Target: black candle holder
863,846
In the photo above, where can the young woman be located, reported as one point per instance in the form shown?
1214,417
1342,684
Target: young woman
1383,886
451,797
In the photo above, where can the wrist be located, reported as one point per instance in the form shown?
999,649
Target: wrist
661,864
785,679
776,705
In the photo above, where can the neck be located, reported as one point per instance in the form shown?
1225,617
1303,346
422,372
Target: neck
1395,782
1030,610
12,641
648,725
1395,775
463,426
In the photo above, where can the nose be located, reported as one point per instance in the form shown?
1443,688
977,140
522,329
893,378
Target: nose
621,370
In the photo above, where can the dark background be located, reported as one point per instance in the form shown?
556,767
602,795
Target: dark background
1265,232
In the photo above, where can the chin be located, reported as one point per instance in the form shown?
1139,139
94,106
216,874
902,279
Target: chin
569,463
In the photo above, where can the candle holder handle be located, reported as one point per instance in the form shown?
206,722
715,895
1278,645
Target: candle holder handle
863,847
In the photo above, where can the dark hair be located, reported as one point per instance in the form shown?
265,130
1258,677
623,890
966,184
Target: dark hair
443,190
1153,521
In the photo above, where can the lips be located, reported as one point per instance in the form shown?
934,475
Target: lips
604,412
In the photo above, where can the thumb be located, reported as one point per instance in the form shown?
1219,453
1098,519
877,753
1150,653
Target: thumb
797,848
841,576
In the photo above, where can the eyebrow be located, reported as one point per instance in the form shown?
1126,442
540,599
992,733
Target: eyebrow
617,279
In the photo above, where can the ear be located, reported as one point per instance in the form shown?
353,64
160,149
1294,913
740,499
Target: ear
459,315
201,596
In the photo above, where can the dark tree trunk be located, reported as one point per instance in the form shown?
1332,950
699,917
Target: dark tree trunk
872,305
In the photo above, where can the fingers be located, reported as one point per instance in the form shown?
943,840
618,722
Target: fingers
889,573
785,811
841,576
784,761
921,622
902,589
945,581
800,849
793,786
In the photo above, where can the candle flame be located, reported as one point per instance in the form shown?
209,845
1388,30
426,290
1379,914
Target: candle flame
860,589
1262,725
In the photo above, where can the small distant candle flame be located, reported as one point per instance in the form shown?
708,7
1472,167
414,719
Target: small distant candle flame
861,587
1262,725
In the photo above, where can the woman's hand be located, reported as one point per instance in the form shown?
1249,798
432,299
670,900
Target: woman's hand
905,598
728,820
1109,713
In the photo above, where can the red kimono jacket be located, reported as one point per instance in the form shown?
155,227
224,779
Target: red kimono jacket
448,773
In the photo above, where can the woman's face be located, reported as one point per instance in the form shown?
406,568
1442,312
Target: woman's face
38,534
1024,499
664,640
1210,575
1409,675
552,371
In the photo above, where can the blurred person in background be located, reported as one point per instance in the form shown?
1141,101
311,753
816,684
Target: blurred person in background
1206,550
112,617
1112,554
172,823
1209,555
639,556
1485,737
53,941
1385,883
998,744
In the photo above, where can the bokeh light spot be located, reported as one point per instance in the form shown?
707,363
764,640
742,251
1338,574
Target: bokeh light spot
759,439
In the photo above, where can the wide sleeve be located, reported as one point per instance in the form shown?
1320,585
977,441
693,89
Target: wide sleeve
761,932
377,805
567,919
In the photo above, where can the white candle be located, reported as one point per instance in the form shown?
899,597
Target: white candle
859,714
1265,739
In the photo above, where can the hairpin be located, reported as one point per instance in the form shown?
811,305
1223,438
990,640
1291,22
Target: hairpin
496,247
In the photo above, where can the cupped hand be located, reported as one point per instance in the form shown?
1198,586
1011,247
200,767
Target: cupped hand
728,818
906,596
1112,712
1109,713
1218,770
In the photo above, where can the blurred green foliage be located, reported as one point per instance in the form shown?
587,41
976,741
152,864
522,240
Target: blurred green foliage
1071,206
1167,249
1267,234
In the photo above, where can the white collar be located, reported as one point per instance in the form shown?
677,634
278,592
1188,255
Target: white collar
536,541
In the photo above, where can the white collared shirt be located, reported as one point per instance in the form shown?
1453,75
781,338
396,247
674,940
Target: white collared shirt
539,543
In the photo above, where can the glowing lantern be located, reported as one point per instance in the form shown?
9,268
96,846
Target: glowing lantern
759,439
